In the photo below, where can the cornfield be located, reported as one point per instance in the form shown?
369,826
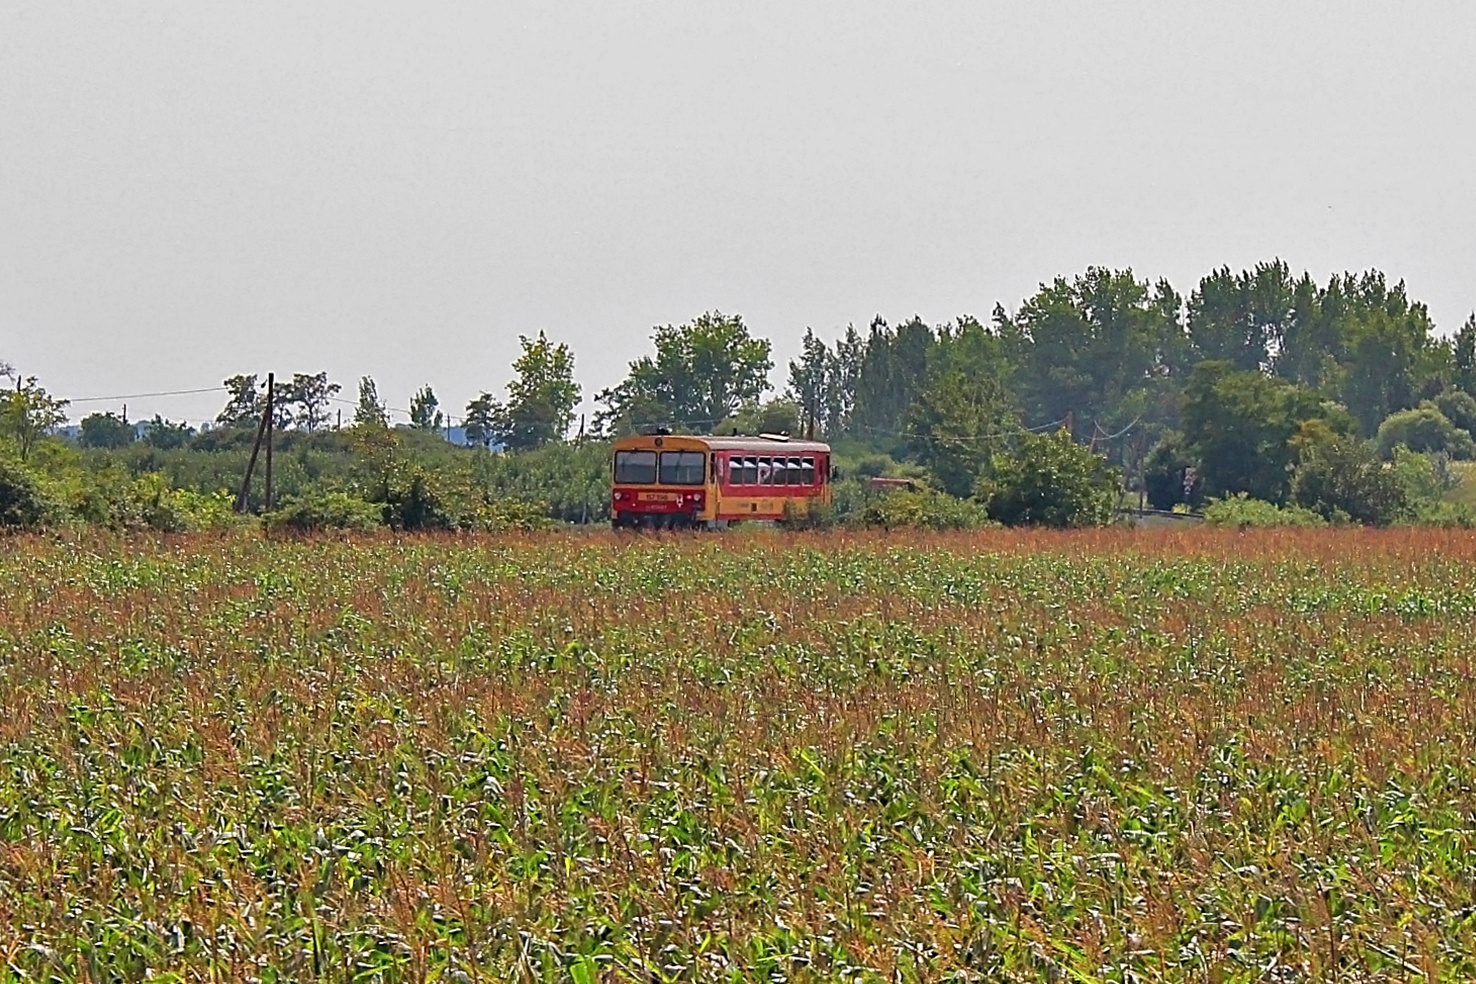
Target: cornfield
1102,756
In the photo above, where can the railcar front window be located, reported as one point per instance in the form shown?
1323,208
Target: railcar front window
682,467
635,467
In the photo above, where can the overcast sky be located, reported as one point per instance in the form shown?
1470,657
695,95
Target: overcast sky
190,190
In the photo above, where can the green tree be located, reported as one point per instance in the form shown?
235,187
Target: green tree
28,413
1463,350
812,378
541,397
850,348
702,372
305,400
1100,348
105,430
770,417
888,373
1388,350
244,404
167,435
1051,481
964,413
1241,318
482,421
1341,477
1240,425
1308,341
425,413
370,411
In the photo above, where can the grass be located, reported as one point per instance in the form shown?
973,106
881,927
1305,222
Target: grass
1105,756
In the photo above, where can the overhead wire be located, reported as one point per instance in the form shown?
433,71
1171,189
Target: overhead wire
1104,436
974,439
146,396
449,418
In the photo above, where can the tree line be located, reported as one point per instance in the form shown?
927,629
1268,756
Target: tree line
1258,382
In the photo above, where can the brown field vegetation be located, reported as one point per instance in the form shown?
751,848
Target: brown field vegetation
1095,756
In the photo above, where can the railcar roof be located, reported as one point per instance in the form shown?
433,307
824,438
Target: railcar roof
758,445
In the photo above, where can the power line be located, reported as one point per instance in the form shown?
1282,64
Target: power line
145,396
973,439
1112,437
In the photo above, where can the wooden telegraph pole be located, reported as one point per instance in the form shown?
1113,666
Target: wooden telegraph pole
271,422
243,498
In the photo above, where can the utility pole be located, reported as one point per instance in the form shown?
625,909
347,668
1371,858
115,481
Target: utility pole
243,497
271,413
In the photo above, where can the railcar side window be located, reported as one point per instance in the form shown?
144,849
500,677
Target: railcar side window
735,470
796,472
750,471
682,467
807,470
635,467
765,472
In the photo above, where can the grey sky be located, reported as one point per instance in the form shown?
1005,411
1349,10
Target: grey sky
190,190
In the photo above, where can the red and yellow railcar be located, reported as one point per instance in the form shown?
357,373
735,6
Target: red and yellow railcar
671,480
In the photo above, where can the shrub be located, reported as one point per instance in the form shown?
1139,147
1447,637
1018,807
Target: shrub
415,498
1459,408
152,505
1241,510
1052,481
1343,477
208,510
1424,429
1456,515
24,503
570,481
326,511
510,514
873,466
111,498
808,514
412,500
924,509
1426,478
